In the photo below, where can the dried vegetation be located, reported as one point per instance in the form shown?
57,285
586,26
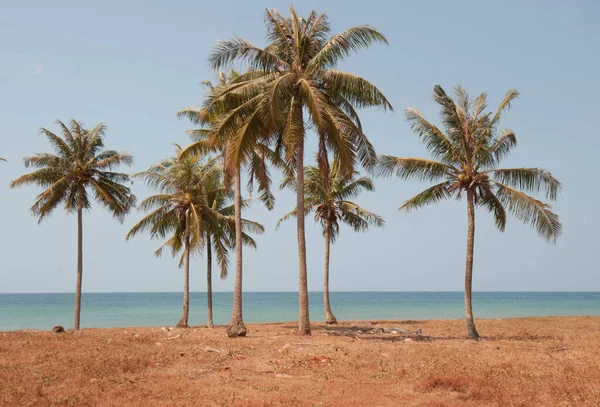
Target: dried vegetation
523,362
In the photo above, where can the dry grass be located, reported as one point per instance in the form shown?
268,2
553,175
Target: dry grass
523,362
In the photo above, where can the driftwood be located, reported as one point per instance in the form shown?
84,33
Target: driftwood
388,333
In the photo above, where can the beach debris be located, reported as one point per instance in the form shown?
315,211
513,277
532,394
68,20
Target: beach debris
209,349
408,340
173,337
58,329
284,347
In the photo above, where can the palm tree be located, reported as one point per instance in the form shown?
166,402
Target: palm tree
465,161
242,149
328,196
293,73
221,238
80,164
184,209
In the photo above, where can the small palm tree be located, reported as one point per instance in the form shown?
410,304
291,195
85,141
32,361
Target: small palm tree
328,196
466,158
184,210
79,165
220,238
294,74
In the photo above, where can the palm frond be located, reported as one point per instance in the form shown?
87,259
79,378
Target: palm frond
534,180
530,211
428,197
414,168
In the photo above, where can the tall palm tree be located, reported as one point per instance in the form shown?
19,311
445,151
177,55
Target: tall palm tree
328,196
184,210
243,149
295,73
465,162
81,164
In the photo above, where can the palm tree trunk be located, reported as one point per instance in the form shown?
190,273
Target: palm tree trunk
304,319
236,325
329,317
77,316
209,309
471,331
183,322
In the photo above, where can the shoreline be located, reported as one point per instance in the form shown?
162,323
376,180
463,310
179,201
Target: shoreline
319,323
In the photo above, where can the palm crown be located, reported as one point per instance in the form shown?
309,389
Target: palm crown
329,195
191,198
80,163
468,154
295,71
255,155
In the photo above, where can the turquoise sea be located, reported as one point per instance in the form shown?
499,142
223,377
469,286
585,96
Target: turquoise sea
99,310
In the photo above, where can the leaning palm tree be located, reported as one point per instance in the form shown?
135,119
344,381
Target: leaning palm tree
465,162
295,73
243,150
328,196
79,166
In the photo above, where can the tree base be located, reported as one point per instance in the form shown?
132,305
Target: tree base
236,329
304,328
471,330
330,320
182,324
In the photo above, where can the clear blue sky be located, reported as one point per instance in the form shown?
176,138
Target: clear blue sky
133,65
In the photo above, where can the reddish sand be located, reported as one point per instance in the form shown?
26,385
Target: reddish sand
523,362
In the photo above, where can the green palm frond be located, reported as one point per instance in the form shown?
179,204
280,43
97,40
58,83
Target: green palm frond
356,90
430,196
79,163
494,206
435,140
341,45
533,180
530,211
414,168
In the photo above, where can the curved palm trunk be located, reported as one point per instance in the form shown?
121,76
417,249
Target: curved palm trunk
471,331
209,309
183,322
329,317
77,316
236,325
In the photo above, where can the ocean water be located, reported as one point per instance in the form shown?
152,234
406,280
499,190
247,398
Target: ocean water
99,310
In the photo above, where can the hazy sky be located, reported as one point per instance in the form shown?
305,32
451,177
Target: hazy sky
134,64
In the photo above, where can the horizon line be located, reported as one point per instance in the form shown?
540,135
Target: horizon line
310,291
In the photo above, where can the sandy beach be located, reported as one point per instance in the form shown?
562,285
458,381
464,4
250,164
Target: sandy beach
522,362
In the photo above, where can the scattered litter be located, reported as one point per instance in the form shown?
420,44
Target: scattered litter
173,337
284,347
209,349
